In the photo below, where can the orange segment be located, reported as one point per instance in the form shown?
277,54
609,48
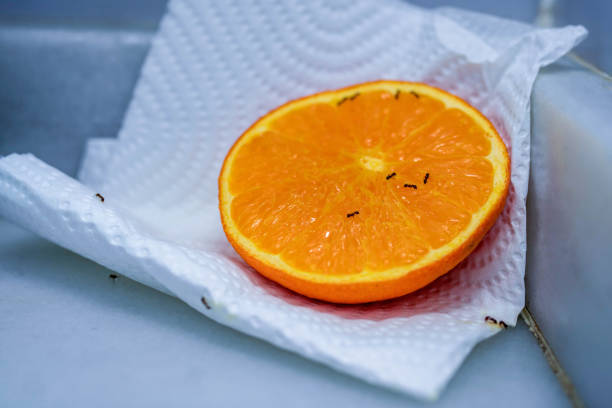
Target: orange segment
271,158
464,180
364,193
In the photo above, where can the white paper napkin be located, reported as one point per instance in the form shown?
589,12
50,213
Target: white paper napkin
213,69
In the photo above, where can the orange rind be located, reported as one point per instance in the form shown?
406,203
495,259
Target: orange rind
364,193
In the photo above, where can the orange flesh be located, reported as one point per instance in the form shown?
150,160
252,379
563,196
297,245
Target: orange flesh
294,185
369,181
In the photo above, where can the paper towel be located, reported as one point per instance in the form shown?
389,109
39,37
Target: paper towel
213,69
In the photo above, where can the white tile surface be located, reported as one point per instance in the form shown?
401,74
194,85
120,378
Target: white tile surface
203,83
570,225
72,336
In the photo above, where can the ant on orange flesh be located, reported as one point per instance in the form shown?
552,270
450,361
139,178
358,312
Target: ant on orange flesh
364,193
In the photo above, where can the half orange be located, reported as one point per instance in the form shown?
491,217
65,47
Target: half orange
363,193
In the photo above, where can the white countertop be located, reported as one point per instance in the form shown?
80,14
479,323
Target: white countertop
72,336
